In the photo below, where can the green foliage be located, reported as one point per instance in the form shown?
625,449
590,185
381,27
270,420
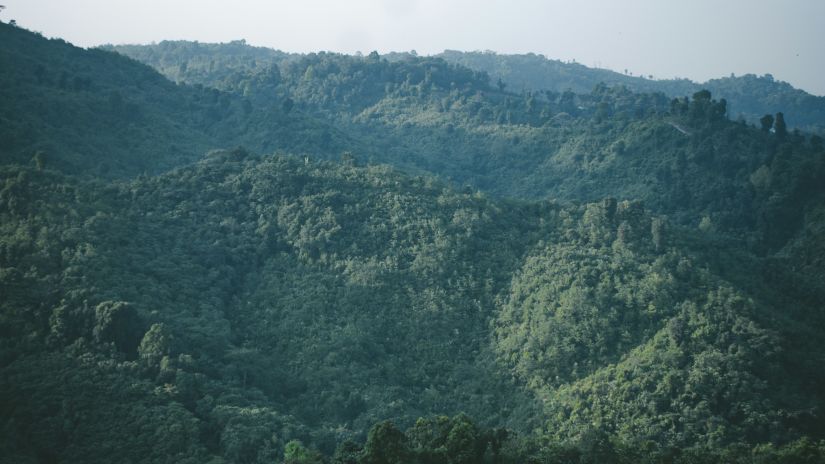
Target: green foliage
424,115
296,453
683,158
236,308
385,445
392,285
779,126
155,344
749,96
118,322
766,122
594,447
95,112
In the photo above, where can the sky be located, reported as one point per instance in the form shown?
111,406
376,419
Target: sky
695,39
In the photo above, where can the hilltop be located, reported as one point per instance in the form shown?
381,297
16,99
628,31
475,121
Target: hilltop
749,96
99,113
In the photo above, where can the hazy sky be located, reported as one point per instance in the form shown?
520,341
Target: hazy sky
697,39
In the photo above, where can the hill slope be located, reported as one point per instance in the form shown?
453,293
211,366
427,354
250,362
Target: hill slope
99,113
244,297
681,156
749,96
239,307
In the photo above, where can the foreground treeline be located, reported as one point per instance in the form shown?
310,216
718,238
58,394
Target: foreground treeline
457,440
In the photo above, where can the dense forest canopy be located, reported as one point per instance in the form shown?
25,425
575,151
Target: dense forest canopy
750,96
681,156
247,256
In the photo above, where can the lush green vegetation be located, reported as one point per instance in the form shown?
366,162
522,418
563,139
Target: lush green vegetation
749,96
98,113
212,65
246,302
396,283
682,157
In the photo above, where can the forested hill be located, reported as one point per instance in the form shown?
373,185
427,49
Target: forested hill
405,262
538,73
748,96
99,113
218,64
682,157
227,309
208,64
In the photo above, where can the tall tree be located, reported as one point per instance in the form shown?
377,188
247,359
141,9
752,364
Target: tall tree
766,122
779,126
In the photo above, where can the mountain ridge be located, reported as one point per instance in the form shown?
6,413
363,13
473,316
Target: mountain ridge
750,96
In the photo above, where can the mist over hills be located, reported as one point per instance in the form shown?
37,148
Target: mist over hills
250,256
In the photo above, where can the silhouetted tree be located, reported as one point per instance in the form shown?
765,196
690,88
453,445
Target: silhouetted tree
779,126
702,95
766,122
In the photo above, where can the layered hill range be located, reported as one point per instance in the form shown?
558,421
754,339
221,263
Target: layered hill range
749,97
247,255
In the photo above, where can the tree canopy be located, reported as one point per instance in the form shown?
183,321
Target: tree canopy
396,260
